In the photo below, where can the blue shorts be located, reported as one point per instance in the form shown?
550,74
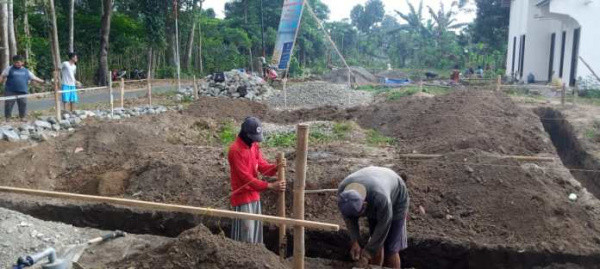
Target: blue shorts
71,95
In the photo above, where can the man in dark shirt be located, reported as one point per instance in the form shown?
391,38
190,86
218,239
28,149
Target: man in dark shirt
17,79
380,195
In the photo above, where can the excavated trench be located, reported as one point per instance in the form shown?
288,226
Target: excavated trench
422,253
572,153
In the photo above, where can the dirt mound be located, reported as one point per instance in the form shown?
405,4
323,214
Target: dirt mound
459,120
473,196
226,108
359,76
393,74
199,248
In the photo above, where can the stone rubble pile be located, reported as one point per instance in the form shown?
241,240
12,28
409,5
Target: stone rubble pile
237,85
48,126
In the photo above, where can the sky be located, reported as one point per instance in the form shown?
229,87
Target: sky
340,9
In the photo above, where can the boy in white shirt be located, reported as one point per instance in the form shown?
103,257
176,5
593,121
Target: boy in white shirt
69,84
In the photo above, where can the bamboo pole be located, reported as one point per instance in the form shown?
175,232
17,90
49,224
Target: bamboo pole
174,208
515,157
57,95
149,92
281,164
320,191
112,98
299,184
195,88
498,83
122,92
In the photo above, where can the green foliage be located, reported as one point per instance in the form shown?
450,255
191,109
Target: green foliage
284,140
397,94
375,138
370,39
227,133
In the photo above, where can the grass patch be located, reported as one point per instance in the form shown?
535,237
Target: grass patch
284,140
373,88
342,129
375,138
227,133
413,89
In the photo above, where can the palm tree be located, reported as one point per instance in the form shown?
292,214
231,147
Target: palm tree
413,18
445,20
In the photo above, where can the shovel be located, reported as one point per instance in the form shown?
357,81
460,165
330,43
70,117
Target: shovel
74,252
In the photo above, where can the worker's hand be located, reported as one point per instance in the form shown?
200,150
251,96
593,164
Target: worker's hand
363,262
355,251
277,186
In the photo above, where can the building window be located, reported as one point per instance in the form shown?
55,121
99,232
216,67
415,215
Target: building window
562,54
522,56
551,62
514,54
575,56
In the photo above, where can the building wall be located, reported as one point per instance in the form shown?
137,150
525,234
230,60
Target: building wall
587,15
538,24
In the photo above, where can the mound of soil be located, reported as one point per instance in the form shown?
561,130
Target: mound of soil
199,248
215,107
393,74
471,196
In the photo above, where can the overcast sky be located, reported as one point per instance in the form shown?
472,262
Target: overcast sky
340,9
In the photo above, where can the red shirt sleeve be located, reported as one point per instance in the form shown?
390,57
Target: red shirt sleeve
264,167
243,173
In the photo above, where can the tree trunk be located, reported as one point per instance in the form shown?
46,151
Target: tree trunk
102,73
27,32
150,64
54,36
5,49
71,25
190,44
200,44
12,40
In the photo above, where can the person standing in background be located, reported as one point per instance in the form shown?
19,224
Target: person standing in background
17,79
69,84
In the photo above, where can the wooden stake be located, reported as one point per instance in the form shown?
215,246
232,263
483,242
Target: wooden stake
175,208
299,184
149,92
515,157
112,98
281,163
122,92
57,96
498,83
195,88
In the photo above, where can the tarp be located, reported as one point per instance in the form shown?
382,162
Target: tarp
396,82
286,34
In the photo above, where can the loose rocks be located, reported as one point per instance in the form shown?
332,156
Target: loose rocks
238,85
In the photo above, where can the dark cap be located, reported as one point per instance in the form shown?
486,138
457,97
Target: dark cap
253,129
350,201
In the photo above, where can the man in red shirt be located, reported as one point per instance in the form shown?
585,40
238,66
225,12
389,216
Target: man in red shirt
246,162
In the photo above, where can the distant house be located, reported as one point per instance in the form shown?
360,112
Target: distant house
546,38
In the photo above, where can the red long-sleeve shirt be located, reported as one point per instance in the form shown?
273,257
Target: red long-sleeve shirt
245,163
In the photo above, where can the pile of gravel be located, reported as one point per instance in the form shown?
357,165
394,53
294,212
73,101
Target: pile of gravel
238,85
359,76
22,234
318,93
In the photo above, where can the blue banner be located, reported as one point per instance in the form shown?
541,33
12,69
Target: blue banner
286,34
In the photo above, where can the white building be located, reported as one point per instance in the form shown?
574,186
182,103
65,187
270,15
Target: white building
546,38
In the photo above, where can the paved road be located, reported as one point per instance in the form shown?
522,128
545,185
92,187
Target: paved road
91,97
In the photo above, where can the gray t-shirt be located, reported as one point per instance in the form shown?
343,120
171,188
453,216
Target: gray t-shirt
387,199
67,73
